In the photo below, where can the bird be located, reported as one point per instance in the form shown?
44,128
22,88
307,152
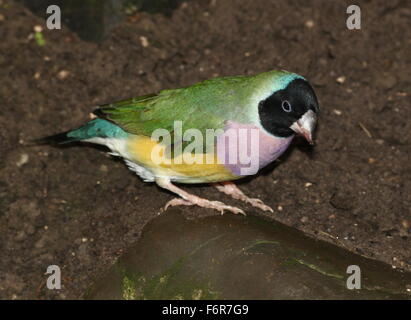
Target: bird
216,131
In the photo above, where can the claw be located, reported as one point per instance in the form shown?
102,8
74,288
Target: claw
258,204
204,203
188,199
231,189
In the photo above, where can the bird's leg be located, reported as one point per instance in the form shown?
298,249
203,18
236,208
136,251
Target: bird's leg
231,189
188,199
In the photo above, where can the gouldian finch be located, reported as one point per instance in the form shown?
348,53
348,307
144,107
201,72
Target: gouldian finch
215,131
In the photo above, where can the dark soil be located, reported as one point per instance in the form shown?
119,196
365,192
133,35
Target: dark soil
79,208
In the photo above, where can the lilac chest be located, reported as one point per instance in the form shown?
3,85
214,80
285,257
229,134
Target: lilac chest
245,149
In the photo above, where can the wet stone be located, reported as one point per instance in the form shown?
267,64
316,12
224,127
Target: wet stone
233,257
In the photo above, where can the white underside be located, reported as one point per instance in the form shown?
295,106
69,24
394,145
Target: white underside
118,149
142,172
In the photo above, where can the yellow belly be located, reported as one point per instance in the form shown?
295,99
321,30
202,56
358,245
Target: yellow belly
206,169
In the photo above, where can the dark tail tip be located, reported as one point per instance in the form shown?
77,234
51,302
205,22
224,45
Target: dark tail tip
59,138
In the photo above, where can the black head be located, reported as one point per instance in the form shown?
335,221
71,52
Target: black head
286,111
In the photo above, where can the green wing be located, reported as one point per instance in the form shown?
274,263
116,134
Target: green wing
206,105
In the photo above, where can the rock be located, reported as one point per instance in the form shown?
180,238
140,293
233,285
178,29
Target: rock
83,253
41,242
386,80
21,235
193,259
342,201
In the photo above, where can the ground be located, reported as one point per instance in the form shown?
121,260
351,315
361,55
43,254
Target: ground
79,208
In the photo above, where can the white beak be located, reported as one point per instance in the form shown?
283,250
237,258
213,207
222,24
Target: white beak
305,125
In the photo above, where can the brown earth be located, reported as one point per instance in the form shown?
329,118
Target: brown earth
79,208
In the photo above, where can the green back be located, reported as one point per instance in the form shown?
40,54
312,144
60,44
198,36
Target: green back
205,105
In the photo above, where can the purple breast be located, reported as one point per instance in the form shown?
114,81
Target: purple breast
245,149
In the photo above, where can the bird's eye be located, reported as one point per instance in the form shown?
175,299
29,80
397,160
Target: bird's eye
286,106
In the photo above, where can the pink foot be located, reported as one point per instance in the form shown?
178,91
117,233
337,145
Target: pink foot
188,199
231,189
204,203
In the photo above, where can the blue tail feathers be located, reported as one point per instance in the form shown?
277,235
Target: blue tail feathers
97,128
